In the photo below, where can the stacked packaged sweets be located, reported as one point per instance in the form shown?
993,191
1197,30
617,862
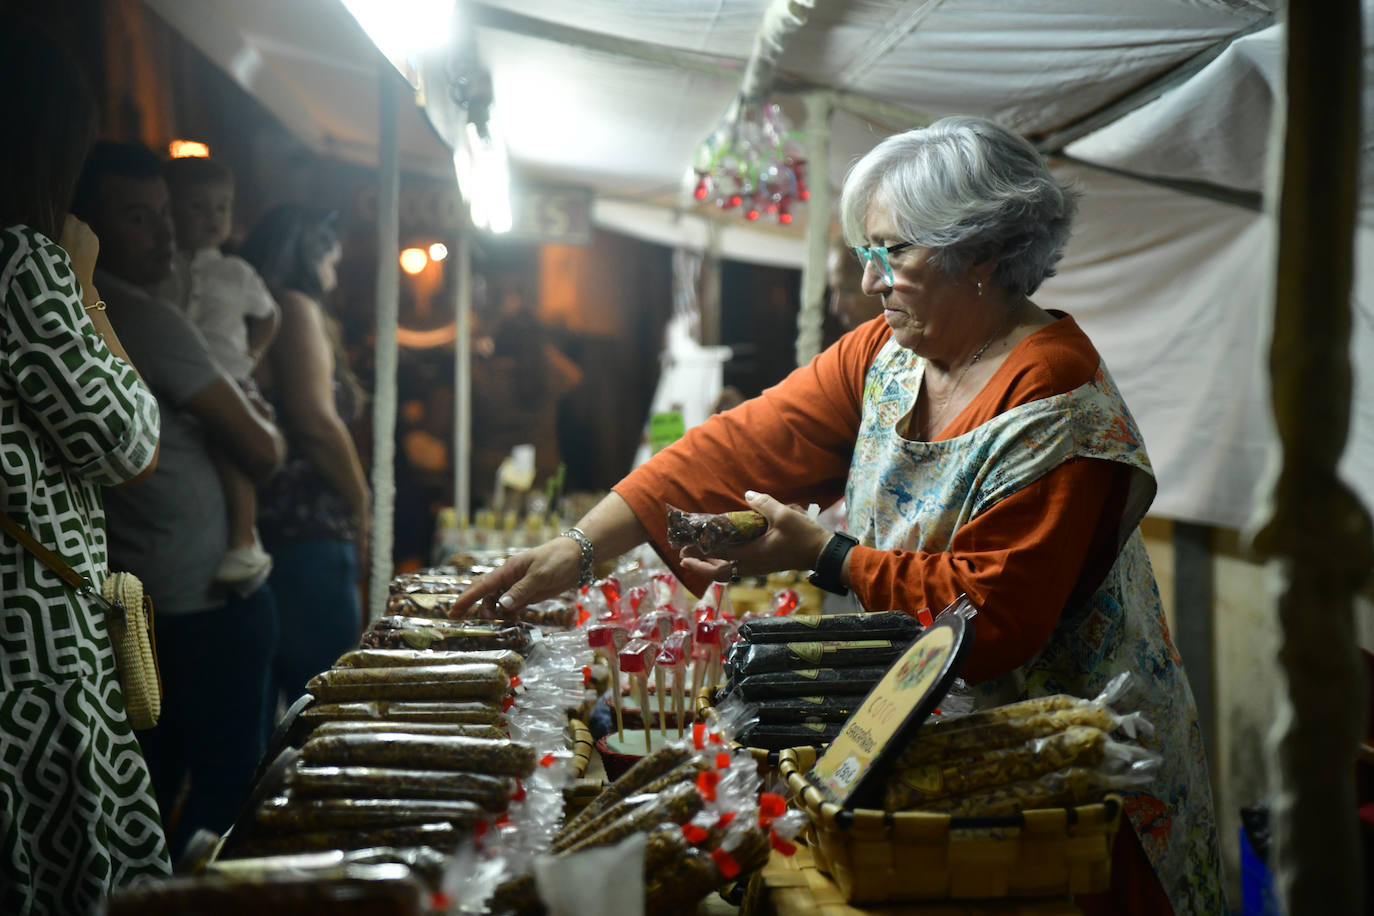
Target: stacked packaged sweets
807,673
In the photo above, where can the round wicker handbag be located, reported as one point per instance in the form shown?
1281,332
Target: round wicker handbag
131,634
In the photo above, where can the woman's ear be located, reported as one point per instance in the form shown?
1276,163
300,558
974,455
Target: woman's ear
981,273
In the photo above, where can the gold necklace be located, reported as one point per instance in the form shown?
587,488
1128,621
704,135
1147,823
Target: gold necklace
931,428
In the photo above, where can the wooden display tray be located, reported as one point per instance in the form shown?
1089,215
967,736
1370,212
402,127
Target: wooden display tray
794,886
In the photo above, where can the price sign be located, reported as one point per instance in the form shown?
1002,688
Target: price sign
546,213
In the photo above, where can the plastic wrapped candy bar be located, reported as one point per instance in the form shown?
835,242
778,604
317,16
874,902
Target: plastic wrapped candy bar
747,659
1077,746
474,680
480,755
510,662
952,737
775,737
709,532
836,709
491,792
892,625
471,711
807,682
1067,787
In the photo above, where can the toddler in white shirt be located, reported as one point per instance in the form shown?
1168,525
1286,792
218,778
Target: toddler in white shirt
227,300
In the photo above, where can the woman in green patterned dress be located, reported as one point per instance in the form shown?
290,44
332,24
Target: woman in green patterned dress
77,815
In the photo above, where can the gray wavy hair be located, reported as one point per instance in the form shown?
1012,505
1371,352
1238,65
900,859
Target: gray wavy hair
971,190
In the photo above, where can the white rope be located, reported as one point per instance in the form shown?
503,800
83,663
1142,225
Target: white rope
780,21
812,313
384,388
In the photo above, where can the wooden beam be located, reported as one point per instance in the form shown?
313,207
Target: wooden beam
1055,141
1317,536
1247,200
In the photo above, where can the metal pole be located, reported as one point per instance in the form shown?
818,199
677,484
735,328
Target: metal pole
388,294
1316,535
462,375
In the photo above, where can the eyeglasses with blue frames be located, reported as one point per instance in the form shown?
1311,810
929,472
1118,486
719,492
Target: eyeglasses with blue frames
878,255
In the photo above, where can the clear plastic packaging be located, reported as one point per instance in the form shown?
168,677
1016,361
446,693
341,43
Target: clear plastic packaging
709,532
1077,746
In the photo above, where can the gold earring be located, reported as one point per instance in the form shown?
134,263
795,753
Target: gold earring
980,287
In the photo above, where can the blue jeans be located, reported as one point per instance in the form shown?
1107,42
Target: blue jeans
316,584
214,676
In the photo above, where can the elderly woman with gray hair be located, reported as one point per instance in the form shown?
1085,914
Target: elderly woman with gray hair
981,448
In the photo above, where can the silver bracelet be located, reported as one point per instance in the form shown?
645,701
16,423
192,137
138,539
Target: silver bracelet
586,573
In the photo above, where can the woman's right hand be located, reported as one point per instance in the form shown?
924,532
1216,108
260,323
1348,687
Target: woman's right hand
83,247
527,577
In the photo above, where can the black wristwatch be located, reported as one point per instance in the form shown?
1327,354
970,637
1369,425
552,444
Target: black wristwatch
831,562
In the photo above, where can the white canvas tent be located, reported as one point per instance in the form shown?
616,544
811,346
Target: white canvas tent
1169,278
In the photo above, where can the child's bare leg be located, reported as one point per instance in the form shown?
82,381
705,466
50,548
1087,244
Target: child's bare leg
241,501
245,565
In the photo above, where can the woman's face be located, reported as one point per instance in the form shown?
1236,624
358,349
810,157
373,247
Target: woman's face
925,309
328,269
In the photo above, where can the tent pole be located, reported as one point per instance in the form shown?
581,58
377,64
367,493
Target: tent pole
1316,536
812,313
462,373
388,294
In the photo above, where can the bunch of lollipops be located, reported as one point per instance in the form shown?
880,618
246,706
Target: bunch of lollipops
754,163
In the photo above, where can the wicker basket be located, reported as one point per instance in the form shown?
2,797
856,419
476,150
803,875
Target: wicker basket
876,857
580,741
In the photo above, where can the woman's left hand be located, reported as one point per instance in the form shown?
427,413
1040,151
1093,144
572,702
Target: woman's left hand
793,542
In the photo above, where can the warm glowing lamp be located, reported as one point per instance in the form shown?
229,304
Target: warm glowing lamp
414,260
438,251
184,149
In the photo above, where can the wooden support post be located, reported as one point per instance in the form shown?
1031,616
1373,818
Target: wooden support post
1316,536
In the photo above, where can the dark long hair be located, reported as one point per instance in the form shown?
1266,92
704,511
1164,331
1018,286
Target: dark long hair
286,247
52,116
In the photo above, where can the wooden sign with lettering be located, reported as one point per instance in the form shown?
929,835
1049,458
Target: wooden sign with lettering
852,769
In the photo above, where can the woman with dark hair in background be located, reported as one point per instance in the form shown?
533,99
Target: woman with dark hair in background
77,813
313,516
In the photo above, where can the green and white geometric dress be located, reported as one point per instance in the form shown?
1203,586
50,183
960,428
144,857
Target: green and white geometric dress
77,814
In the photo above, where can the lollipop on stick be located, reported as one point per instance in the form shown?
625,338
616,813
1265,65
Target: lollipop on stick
637,660
654,627
607,639
785,601
634,597
705,653
610,590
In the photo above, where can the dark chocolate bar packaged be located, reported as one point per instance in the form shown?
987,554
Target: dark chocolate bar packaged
784,710
760,658
775,737
807,682
893,625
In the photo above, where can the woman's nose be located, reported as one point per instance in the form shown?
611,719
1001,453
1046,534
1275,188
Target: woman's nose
873,282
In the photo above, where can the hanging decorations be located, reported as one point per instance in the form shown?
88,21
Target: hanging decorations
754,162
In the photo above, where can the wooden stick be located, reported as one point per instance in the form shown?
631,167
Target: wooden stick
659,684
679,675
614,662
644,712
